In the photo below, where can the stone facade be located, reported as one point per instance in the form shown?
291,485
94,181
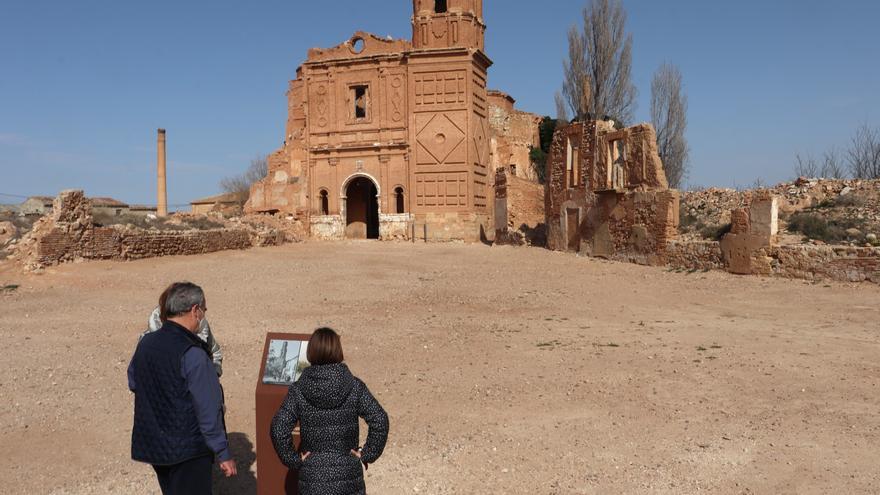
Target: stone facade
607,195
380,127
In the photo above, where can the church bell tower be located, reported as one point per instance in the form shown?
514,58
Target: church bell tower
448,24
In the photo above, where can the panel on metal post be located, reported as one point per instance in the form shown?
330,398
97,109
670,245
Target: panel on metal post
283,360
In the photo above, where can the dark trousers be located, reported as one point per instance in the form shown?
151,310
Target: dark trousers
192,477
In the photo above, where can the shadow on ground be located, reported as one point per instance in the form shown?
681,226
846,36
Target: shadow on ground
246,482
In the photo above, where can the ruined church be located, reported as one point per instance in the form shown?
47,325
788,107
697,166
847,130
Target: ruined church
392,138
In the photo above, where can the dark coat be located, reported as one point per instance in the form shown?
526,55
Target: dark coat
166,429
327,401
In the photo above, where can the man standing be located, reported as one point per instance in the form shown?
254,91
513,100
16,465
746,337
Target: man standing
178,406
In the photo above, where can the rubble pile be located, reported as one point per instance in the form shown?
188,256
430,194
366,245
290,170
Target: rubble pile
851,202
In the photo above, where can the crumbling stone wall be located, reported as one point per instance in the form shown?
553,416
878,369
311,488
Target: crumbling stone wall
694,255
607,195
753,232
512,135
806,262
68,233
840,263
519,210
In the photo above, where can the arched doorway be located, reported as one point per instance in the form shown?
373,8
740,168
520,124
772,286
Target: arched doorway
361,209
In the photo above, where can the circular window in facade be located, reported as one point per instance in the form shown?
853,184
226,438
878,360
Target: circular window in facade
357,45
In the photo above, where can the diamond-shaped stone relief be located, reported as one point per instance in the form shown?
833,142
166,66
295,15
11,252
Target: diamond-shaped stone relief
480,142
440,137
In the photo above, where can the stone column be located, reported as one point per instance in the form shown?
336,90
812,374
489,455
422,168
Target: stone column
162,194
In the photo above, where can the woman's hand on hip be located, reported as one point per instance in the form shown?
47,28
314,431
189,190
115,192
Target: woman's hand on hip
359,454
305,455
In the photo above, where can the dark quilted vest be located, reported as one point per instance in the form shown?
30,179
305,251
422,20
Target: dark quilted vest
166,430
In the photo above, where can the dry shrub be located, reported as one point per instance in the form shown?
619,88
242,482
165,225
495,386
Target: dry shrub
814,226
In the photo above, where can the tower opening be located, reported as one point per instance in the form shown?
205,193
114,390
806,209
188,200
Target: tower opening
440,6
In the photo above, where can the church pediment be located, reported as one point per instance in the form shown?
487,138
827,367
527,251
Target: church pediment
361,44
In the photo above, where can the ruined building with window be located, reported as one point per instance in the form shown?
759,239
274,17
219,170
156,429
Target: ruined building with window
386,138
606,193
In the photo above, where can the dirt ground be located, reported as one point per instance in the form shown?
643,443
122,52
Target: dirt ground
504,370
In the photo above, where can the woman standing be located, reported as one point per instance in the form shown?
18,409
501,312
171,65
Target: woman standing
327,401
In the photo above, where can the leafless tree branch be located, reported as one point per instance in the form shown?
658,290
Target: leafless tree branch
597,79
241,184
669,107
864,153
561,110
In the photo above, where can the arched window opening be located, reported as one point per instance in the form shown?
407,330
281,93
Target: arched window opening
440,6
398,197
325,203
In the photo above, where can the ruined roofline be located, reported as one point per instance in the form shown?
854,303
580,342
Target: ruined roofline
502,94
411,52
361,44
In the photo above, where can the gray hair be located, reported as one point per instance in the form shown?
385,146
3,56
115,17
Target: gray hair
182,297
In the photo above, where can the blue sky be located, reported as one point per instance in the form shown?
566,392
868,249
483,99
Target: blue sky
85,84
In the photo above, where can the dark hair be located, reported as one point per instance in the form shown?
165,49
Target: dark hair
324,347
180,298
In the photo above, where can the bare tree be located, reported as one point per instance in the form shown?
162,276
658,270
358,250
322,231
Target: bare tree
830,167
561,111
864,153
669,107
241,184
597,78
806,166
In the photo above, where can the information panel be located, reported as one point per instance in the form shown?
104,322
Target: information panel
282,363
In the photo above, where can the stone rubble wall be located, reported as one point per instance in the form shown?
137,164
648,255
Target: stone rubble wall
68,234
694,255
805,262
840,263
395,226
